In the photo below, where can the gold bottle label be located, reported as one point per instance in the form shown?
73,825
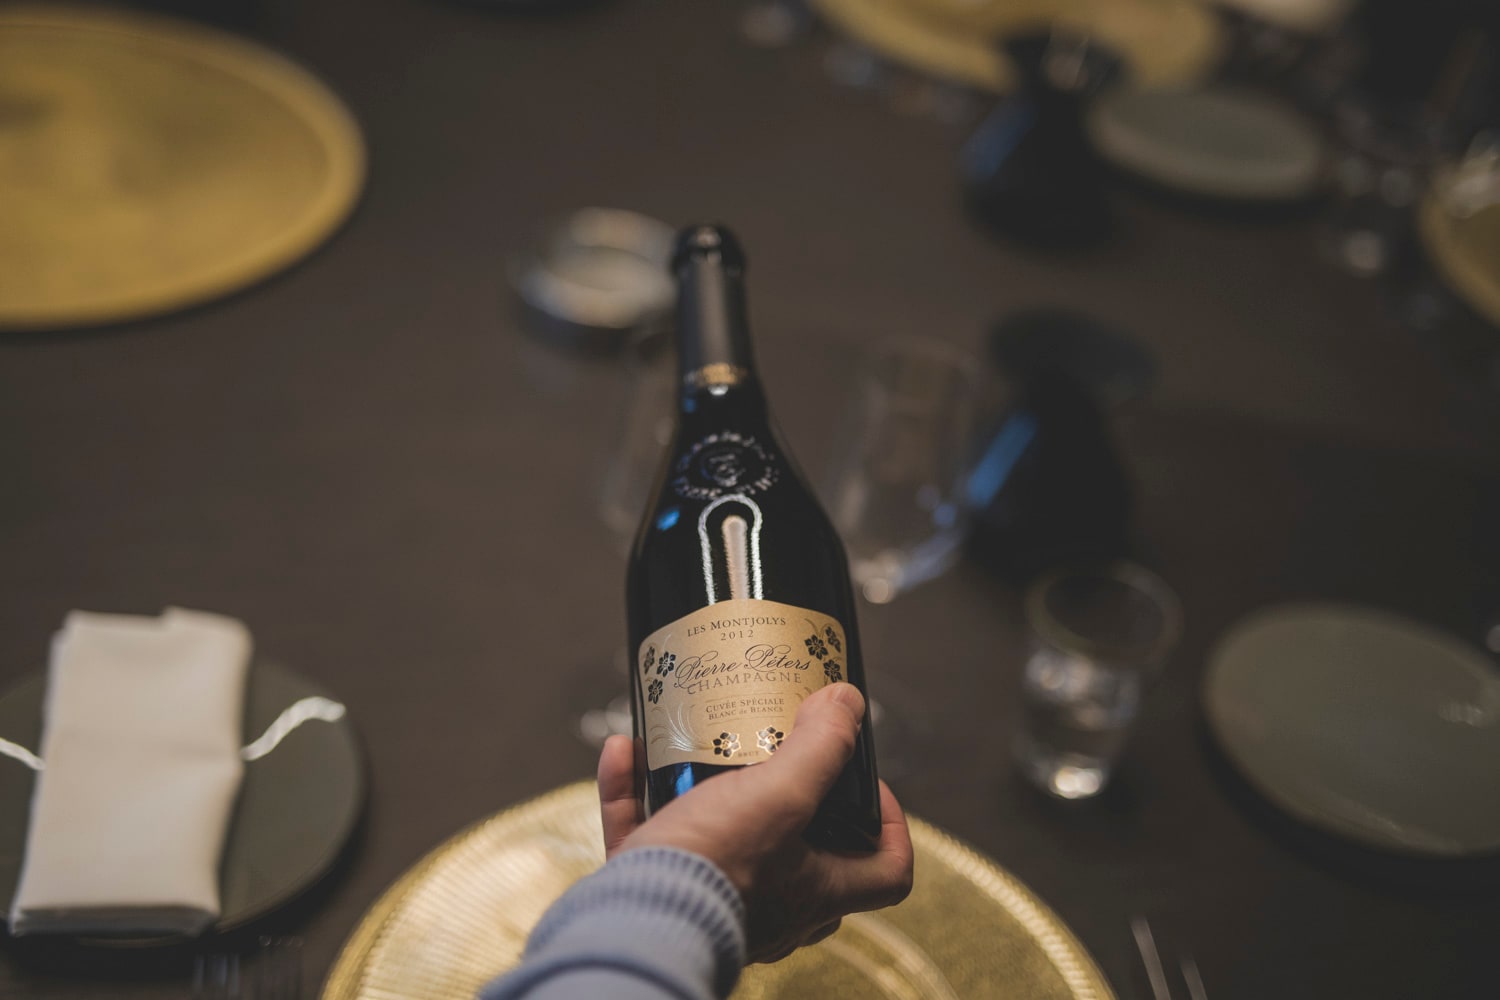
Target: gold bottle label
722,685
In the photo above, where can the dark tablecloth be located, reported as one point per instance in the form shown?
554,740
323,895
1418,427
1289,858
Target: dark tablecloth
364,460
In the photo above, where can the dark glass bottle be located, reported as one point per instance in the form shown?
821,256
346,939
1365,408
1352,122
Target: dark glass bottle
738,588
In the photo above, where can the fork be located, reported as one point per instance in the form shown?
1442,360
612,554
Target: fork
278,970
220,975
1145,943
216,976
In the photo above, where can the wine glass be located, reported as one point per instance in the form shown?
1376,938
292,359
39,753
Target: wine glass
644,429
894,494
1385,159
1454,302
894,491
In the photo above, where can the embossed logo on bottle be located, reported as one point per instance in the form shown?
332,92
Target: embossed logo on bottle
722,685
721,464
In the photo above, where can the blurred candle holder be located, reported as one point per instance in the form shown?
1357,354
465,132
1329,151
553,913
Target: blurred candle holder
1029,171
1098,637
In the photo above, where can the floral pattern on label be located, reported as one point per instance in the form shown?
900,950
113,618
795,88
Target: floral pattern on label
722,685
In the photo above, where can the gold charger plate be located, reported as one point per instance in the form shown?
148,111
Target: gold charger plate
1465,250
1164,42
148,164
461,916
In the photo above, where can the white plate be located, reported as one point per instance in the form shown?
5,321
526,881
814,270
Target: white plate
1364,724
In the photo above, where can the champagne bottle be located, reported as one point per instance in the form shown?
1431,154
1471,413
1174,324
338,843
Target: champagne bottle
738,587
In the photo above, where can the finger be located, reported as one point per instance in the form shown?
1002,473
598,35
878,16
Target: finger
826,931
782,950
880,879
821,742
618,808
895,834
784,947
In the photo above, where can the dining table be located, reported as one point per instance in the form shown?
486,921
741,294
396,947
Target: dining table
371,460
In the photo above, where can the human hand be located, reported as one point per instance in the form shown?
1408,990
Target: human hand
749,822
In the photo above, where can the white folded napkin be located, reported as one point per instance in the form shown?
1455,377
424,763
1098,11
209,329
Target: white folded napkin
141,765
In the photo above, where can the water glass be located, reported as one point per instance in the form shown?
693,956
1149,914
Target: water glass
894,491
1098,636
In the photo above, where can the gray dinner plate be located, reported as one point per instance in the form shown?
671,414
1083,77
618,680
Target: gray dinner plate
1219,143
1363,724
297,805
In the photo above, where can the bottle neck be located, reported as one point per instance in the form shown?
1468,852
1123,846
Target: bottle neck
717,369
713,331
741,401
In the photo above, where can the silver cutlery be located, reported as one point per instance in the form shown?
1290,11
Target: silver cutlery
216,976
1156,973
278,969
277,973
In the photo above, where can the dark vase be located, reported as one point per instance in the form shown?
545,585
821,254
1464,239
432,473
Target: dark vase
1049,487
1029,171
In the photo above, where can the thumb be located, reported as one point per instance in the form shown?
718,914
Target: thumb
821,742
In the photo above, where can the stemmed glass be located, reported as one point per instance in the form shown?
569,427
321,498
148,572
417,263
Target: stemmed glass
894,494
1458,304
1381,171
644,429
894,491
